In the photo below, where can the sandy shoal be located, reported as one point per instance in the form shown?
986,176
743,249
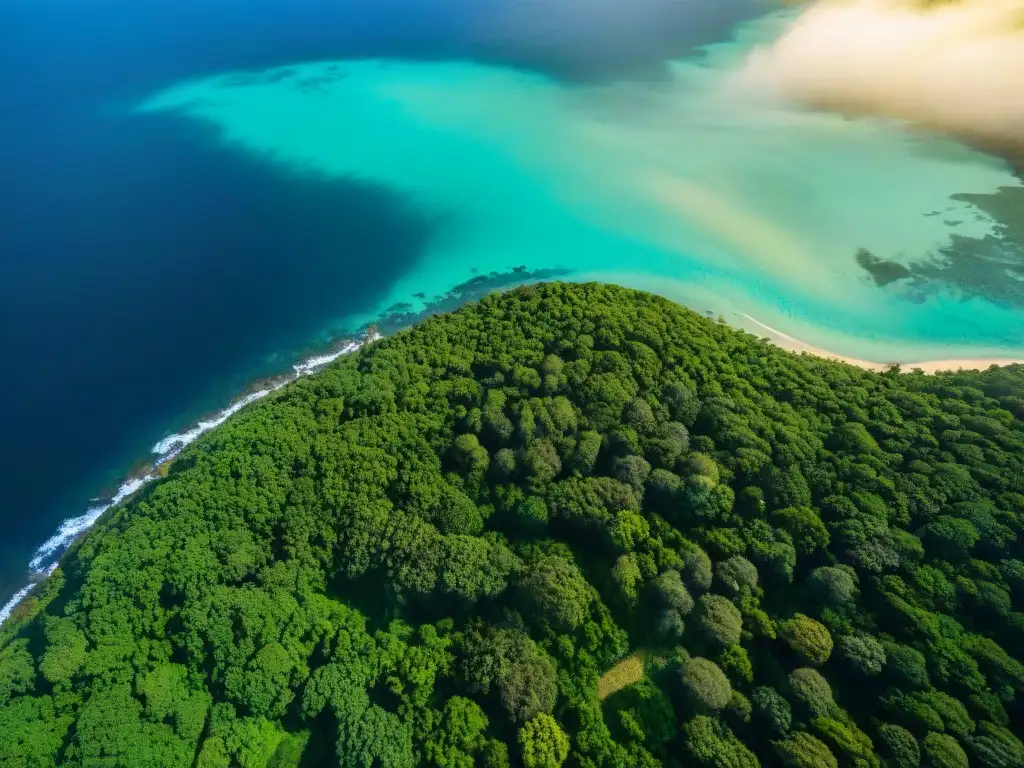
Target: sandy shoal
787,342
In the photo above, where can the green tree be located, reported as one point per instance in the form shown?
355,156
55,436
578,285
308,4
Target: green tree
809,638
627,577
65,651
504,464
588,447
470,455
681,400
835,585
905,666
706,685
771,710
737,575
697,569
638,415
532,513
996,747
17,670
377,737
543,743
804,526
736,663
939,750
510,663
557,590
670,593
846,739
811,690
898,746
704,466
718,619
458,735
542,462
801,750
710,742
632,470
863,653
950,537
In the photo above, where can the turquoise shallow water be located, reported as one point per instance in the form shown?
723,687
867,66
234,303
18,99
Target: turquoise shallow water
697,187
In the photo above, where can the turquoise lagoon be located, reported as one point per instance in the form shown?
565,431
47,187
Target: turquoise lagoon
697,186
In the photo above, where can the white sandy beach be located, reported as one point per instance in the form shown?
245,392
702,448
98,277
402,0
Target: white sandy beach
792,344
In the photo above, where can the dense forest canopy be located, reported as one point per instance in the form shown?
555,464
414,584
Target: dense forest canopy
573,524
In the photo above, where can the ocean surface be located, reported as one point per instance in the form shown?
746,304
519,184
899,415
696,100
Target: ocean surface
196,196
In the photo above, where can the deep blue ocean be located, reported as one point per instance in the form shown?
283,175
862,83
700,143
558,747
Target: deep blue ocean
146,275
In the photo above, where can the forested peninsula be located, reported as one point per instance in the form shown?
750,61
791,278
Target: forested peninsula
568,525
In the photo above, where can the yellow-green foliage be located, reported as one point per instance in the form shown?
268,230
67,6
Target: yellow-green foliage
624,674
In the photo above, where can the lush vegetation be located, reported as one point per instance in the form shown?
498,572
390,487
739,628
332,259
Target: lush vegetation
434,551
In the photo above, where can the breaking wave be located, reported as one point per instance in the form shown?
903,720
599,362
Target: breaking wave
47,556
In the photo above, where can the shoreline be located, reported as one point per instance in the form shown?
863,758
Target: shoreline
792,344
162,454
47,556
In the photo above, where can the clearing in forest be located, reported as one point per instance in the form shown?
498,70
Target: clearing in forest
624,674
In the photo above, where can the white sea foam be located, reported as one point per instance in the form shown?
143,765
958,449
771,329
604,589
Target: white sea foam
172,445
47,556
315,363
72,527
13,602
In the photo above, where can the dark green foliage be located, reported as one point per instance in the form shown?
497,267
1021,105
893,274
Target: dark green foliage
431,552
542,462
863,653
740,710
508,662
846,740
737,575
801,750
32,731
17,670
65,651
697,570
643,712
670,445
532,513
671,602
905,666
711,743
632,470
898,746
736,663
669,593
804,526
718,619
771,710
557,591
996,747
377,737
681,400
941,751
811,690
706,685
834,585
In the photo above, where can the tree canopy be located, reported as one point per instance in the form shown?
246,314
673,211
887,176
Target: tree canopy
433,551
